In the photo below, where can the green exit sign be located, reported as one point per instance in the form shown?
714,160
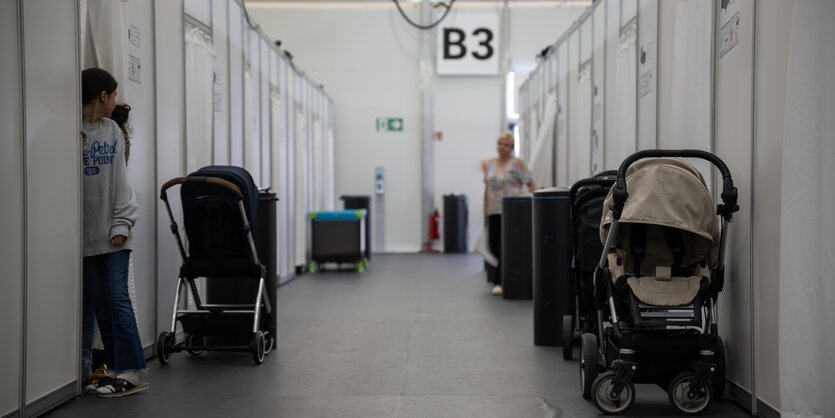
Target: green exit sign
390,124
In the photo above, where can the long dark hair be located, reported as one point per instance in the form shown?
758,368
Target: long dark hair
94,81
120,116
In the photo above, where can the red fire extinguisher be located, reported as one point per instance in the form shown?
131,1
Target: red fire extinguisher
434,232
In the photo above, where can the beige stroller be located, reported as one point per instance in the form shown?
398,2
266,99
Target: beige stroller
659,276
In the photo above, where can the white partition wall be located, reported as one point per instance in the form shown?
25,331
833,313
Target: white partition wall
584,102
598,92
52,185
264,104
734,141
170,131
647,94
142,166
236,84
220,88
12,231
562,115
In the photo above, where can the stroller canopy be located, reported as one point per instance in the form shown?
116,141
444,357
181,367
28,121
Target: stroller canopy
669,192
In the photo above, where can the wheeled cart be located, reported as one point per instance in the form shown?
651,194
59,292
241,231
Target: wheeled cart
338,236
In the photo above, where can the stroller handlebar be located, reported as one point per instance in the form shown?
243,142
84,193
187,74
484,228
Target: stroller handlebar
729,192
200,179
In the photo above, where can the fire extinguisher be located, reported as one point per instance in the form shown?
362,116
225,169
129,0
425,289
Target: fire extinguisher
434,232
434,225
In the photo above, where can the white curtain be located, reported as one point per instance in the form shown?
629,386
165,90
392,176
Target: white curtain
200,57
582,152
691,103
807,230
318,166
279,178
625,112
104,39
542,148
330,190
300,125
252,157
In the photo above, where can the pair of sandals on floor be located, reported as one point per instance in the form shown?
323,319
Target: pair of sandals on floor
108,386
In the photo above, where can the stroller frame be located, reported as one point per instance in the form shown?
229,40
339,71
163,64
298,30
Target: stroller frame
581,321
689,392
261,342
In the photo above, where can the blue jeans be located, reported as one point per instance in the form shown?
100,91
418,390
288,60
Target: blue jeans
106,300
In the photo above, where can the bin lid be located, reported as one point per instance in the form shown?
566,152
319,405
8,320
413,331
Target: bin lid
516,199
454,196
552,192
338,215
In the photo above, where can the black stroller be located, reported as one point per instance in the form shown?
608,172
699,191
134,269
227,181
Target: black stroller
586,199
659,276
219,204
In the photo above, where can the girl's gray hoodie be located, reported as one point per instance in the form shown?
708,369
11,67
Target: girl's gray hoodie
110,207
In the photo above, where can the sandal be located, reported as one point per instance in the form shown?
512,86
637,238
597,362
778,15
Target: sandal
95,378
115,387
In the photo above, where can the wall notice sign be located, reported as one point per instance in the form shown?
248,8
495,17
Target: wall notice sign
468,44
134,69
729,16
390,124
135,36
645,84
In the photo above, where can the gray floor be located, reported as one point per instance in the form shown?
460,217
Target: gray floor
413,336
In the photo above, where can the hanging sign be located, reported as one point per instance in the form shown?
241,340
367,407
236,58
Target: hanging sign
468,44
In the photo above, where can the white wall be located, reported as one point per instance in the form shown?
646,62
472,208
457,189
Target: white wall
378,76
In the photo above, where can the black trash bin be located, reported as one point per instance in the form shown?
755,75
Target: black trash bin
455,223
361,202
553,285
240,291
517,280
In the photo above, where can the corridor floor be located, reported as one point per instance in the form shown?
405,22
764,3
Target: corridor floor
413,336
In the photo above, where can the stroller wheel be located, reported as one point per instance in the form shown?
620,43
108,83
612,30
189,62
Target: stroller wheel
269,344
588,363
258,347
567,337
195,340
164,343
681,398
601,394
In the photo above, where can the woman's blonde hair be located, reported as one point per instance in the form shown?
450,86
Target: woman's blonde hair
508,136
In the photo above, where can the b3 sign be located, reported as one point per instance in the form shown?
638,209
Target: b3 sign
468,44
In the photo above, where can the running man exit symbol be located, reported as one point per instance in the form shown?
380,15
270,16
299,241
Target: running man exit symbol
390,124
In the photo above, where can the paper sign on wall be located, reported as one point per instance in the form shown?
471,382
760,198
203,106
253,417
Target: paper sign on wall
468,44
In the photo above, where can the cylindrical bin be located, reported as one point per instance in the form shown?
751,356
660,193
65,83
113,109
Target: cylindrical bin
455,223
553,285
517,280
229,291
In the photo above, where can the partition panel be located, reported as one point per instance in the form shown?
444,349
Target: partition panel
11,225
734,144
170,117
598,91
614,141
573,105
562,115
52,112
142,169
220,34
235,91
647,74
264,95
